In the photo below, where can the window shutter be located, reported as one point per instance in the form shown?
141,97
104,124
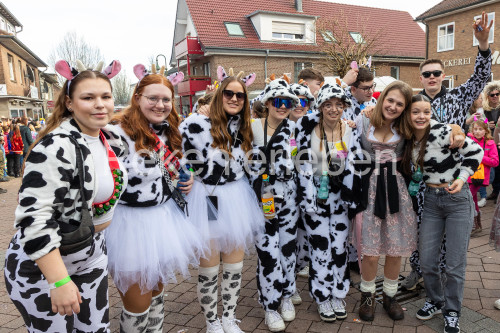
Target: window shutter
288,28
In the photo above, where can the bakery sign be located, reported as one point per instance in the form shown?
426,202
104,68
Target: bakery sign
495,60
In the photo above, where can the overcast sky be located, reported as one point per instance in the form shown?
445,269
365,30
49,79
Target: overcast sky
130,31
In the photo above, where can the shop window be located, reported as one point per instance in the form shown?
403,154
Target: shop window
446,37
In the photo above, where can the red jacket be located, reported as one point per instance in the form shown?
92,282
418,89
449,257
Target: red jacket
490,158
16,144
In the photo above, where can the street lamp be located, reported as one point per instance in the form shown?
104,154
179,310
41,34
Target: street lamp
164,58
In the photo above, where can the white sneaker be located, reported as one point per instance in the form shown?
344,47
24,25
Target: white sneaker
287,309
214,327
304,272
326,312
497,304
230,325
338,305
274,321
482,202
296,299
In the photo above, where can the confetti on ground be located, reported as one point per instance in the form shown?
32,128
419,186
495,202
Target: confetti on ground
357,320
404,309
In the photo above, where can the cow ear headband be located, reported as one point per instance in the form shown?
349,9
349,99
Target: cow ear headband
284,77
485,120
221,76
141,72
363,63
68,72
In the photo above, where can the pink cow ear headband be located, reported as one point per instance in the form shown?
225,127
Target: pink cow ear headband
221,76
141,72
485,120
68,72
363,63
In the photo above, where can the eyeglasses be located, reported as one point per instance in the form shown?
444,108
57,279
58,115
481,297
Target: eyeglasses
278,102
434,73
494,95
303,102
240,96
367,89
329,106
153,100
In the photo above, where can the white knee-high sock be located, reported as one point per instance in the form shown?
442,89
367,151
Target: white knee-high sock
156,314
133,322
367,286
390,287
207,291
230,288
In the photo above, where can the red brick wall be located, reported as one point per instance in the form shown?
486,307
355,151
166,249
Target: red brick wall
463,48
18,87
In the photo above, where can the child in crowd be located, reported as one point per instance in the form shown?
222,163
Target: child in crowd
481,134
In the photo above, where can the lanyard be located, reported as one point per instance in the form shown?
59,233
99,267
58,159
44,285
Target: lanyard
112,160
276,131
170,160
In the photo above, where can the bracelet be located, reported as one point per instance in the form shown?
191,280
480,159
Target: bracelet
60,283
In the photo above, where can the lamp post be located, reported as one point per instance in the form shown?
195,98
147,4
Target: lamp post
164,58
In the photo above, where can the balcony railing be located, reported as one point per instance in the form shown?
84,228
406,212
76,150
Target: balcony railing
189,45
193,84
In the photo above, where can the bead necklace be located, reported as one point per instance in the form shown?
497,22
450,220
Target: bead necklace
102,208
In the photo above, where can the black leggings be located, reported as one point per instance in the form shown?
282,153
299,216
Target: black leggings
14,164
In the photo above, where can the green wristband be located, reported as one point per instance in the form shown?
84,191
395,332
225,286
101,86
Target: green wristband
60,283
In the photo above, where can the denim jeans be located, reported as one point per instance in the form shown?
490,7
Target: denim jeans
452,214
482,192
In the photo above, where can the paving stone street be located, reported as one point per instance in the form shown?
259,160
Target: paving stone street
183,314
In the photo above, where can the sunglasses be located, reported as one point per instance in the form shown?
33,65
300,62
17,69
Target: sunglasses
303,102
428,74
494,95
229,95
278,102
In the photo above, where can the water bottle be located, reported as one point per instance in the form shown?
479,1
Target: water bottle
414,186
184,177
324,182
267,198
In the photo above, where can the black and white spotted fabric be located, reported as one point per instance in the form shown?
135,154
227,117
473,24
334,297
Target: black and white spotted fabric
30,293
327,225
50,191
332,90
354,110
208,162
302,90
279,88
452,106
277,242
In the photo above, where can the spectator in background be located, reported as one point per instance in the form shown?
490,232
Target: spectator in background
360,91
491,106
34,133
16,146
258,110
3,166
313,79
25,135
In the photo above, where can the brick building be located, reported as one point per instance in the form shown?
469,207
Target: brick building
20,86
281,37
450,37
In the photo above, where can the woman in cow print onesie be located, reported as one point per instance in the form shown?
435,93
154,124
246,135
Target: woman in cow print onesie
222,204
273,138
325,138
151,239
67,292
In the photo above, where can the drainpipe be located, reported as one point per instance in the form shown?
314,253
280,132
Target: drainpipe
265,64
426,40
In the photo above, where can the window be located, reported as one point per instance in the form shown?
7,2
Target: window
491,37
11,67
20,71
357,37
10,29
3,25
328,36
298,66
16,113
446,37
234,29
288,31
448,82
395,72
193,70
206,69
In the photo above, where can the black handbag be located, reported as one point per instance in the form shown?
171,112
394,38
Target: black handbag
76,238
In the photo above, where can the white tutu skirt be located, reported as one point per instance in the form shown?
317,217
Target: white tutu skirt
151,245
239,216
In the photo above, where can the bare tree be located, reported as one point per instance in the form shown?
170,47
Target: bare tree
122,90
74,47
341,46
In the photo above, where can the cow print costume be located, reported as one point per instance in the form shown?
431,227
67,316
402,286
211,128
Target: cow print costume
48,197
452,107
238,218
327,225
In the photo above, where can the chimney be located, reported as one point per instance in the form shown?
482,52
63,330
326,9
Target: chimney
298,5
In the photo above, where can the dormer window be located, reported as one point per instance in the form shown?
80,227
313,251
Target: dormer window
234,29
357,37
288,31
